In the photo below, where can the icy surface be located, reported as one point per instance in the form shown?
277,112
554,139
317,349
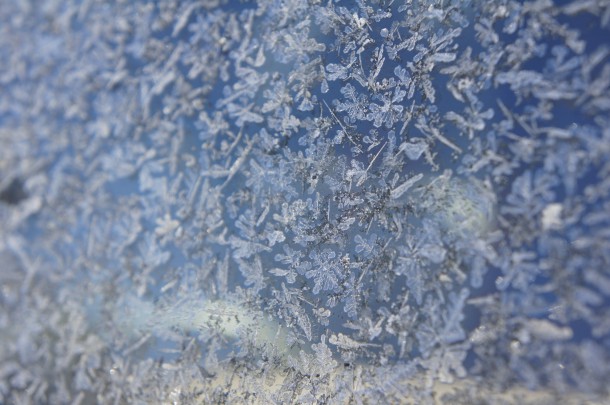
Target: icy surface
304,201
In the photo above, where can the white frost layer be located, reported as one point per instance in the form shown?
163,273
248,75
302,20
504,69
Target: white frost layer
231,320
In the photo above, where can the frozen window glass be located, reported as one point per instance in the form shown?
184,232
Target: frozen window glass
304,201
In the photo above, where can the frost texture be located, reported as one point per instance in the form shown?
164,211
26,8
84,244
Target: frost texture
304,202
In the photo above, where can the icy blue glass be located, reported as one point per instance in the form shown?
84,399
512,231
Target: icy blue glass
305,201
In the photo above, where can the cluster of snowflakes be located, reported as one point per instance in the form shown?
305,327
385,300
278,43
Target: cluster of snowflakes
416,190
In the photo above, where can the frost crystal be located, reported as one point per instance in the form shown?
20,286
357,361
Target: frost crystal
371,201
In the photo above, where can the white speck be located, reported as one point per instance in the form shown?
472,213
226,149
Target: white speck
551,216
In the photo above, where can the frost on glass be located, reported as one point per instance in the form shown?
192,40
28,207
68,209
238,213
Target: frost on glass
304,201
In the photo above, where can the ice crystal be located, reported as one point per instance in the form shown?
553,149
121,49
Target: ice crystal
304,201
